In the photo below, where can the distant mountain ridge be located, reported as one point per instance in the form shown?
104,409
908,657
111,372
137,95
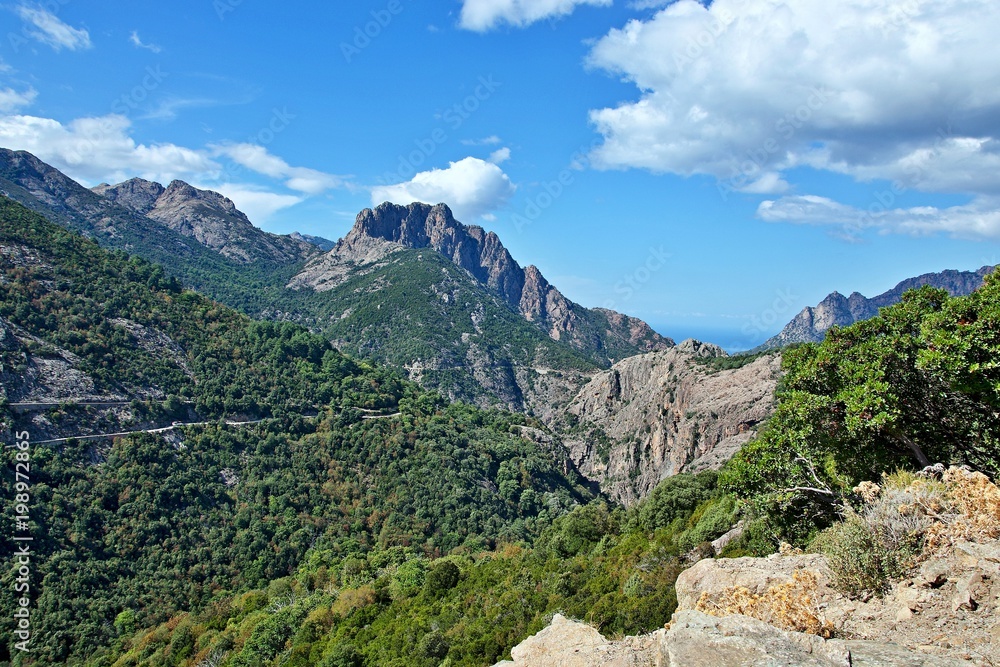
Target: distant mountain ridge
811,325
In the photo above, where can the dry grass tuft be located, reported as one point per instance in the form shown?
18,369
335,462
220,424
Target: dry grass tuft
971,510
790,606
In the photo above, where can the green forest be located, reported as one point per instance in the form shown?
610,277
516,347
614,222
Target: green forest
365,521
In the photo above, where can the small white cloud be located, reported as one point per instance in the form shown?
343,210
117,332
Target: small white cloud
483,15
500,156
138,43
769,183
12,100
472,188
259,159
258,204
50,30
491,140
979,219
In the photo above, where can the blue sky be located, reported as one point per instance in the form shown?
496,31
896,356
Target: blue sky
711,169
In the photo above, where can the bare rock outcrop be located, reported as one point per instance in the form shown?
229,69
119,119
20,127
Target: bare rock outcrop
379,232
659,414
208,217
567,643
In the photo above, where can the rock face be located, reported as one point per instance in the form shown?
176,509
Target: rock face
379,232
208,217
811,325
662,413
567,643
951,620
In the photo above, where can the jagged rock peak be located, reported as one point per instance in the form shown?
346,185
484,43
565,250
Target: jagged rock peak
812,323
208,216
137,194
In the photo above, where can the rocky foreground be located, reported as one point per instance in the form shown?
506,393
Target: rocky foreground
946,614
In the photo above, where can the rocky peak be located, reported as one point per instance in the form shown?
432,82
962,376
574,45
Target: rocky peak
137,194
207,216
380,231
812,323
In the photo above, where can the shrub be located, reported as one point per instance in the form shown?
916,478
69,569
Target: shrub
863,566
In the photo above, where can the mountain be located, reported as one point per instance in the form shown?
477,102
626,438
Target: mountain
250,287
208,217
453,309
660,414
326,245
811,325
602,334
241,448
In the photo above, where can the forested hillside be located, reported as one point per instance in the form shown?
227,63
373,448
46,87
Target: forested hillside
153,525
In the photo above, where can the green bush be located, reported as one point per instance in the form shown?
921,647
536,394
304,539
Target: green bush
863,566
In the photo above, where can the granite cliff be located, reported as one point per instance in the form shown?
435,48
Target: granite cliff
655,415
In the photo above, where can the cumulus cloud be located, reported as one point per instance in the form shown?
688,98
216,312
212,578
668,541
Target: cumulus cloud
95,149
259,159
258,204
745,91
473,188
12,100
48,29
979,219
483,15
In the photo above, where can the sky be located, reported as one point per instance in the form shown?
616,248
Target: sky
709,167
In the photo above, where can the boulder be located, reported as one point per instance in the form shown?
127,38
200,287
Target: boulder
712,576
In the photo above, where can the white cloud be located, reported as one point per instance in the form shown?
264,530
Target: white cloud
50,30
258,204
92,150
979,219
138,43
12,100
491,140
259,159
744,91
95,150
473,188
500,156
483,15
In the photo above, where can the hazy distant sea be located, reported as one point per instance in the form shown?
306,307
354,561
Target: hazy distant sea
731,340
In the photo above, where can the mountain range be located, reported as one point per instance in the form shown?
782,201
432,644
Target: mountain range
836,310
444,303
